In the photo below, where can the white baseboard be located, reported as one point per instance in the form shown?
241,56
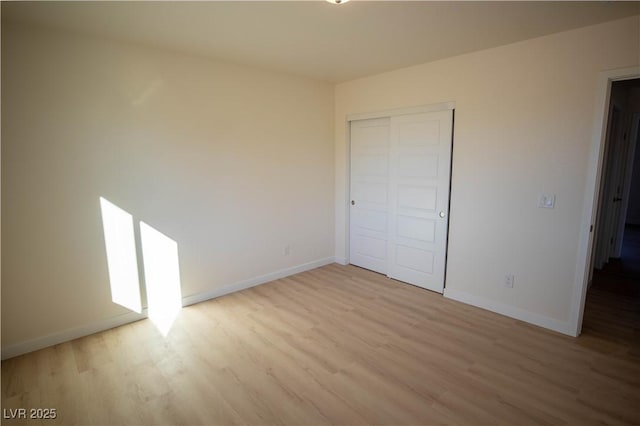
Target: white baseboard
252,282
563,327
70,334
341,261
105,324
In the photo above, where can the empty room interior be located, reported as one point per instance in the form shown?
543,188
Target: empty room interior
310,212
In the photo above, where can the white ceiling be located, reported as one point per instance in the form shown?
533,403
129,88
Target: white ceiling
317,39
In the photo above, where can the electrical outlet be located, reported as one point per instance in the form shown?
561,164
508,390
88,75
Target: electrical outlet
509,279
286,251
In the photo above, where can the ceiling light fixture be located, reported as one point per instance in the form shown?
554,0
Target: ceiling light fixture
337,1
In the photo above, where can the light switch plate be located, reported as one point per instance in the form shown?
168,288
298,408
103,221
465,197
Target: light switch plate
547,201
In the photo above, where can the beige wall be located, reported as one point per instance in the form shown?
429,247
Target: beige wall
230,162
234,163
523,122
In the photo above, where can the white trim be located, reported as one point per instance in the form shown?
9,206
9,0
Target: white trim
342,261
594,174
108,323
563,327
347,193
252,282
70,334
442,106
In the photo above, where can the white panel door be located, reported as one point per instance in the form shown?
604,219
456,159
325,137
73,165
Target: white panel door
419,184
369,194
400,180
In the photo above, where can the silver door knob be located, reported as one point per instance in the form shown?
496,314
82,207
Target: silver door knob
442,214
353,203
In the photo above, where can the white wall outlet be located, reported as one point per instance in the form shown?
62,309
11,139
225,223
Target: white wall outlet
547,201
286,250
509,279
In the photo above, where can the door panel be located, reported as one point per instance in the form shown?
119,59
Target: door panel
419,165
416,260
400,179
370,193
420,158
416,228
416,197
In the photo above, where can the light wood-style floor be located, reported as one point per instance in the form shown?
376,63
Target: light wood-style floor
336,345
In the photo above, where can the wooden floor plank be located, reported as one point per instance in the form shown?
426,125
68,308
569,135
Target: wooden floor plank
338,345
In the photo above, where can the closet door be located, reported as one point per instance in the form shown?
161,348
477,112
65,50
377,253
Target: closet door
400,180
369,194
418,210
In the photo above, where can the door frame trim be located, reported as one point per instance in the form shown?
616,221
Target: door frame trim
441,106
592,192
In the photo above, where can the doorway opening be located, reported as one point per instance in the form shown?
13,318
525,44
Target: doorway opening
614,290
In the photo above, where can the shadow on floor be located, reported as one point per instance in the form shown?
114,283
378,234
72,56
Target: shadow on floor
612,309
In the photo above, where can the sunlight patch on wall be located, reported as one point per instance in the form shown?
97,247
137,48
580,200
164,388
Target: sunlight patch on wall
120,244
160,262
162,277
